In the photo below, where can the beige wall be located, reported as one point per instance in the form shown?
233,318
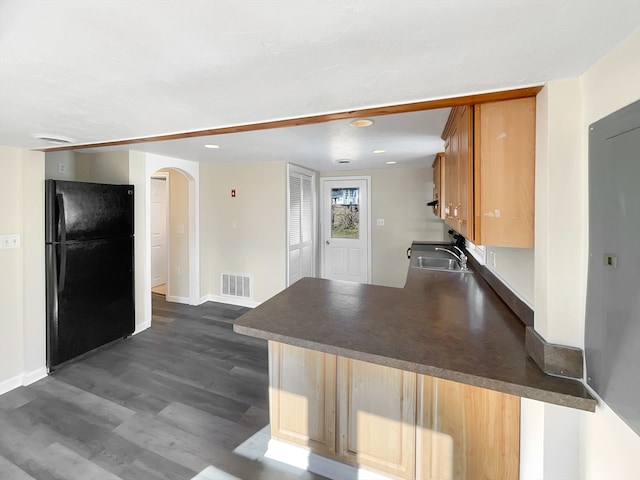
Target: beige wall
256,245
178,235
22,307
57,161
611,84
399,196
515,267
104,167
593,445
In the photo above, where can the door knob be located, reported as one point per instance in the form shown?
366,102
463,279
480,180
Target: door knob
327,242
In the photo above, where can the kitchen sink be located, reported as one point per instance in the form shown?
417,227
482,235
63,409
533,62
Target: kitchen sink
434,262
439,263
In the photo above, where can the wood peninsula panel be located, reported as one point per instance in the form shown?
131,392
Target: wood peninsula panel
302,393
376,417
466,432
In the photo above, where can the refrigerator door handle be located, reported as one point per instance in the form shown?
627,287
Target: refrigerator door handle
62,271
61,215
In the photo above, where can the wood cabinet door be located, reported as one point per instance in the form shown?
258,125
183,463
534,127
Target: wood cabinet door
452,180
376,417
466,432
302,397
464,209
438,184
504,172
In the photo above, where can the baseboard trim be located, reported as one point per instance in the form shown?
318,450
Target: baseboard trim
554,359
176,299
203,299
11,383
141,327
304,459
34,376
24,379
240,302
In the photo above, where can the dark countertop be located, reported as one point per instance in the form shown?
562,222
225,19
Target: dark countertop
443,324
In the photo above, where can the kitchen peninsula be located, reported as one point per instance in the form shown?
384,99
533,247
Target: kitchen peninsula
415,382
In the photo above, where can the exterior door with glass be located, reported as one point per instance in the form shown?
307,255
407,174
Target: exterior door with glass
345,229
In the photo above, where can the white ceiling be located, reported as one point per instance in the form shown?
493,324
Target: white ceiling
98,70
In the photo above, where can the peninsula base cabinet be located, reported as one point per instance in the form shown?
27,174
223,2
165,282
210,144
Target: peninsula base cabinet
376,417
398,423
302,397
466,432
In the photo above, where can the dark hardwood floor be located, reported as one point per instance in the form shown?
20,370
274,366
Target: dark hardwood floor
173,402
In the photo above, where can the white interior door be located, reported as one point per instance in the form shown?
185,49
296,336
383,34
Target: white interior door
301,220
345,229
159,198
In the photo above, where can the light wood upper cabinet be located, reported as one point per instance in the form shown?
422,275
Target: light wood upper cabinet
489,190
466,432
302,393
376,417
458,136
504,172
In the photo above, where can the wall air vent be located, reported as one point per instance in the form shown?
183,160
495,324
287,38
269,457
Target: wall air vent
236,285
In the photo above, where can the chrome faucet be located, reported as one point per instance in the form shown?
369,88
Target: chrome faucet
462,258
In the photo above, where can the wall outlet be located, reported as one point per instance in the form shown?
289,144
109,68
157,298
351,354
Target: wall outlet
62,167
10,241
380,222
491,259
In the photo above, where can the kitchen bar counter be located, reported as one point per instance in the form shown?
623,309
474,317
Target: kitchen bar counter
442,324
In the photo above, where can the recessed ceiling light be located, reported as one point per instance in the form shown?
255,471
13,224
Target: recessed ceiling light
211,145
343,161
361,122
390,163
51,138
378,151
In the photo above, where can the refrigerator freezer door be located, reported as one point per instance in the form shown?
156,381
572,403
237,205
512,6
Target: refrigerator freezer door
78,211
89,296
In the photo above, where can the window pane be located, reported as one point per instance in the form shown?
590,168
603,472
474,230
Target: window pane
345,213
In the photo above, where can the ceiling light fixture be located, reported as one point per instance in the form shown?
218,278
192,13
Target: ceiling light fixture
211,145
51,138
361,122
390,163
378,151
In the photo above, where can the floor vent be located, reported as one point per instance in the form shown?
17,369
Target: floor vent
236,285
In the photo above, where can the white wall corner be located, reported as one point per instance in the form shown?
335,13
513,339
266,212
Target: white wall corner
561,214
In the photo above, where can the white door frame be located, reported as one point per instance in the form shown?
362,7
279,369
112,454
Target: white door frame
367,179
314,222
165,176
191,170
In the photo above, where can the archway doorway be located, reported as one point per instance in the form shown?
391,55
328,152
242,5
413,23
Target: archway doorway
169,239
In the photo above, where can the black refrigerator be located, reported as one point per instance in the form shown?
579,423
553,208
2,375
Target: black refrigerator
89,255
